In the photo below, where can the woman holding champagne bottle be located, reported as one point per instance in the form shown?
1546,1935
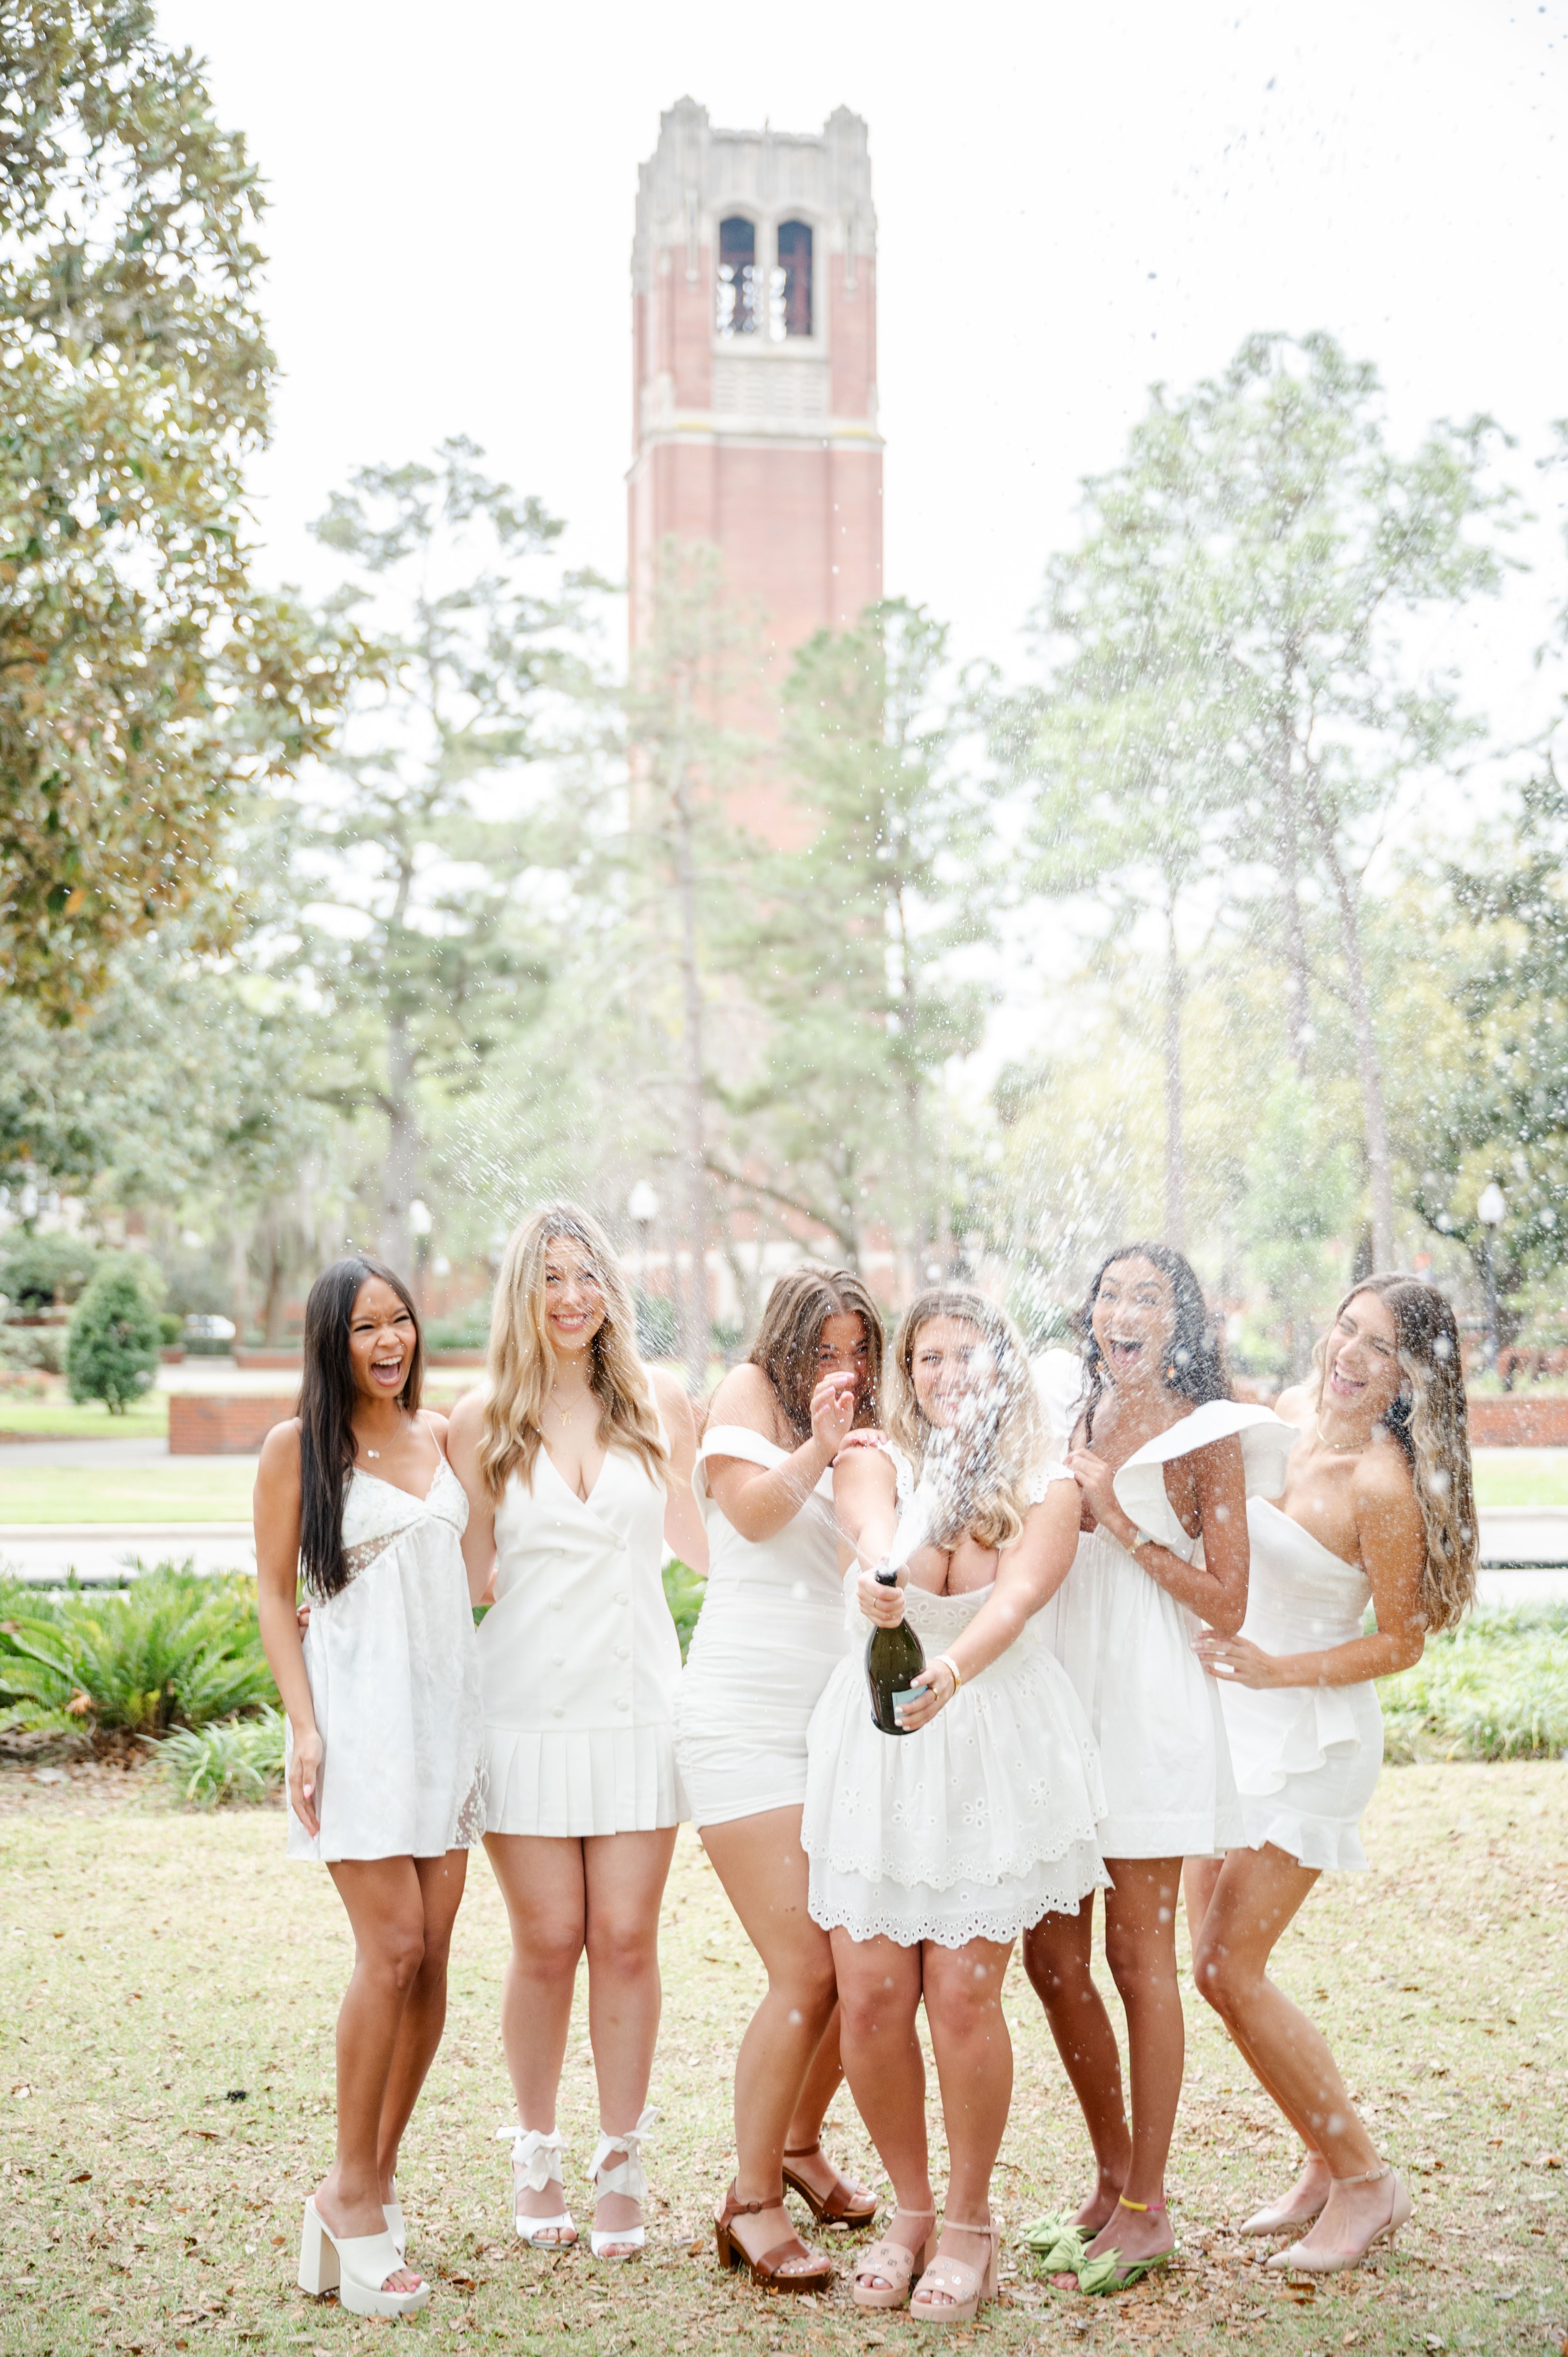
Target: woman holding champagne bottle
934,1846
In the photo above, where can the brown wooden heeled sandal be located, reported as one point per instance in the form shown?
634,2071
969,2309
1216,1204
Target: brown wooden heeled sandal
838,2208
788,2266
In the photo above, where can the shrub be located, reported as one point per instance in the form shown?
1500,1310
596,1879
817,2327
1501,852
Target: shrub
230,1763
658,1334
1494,1688
683,1592
37,1271
112,1353
470,1331
173,1649
171,1329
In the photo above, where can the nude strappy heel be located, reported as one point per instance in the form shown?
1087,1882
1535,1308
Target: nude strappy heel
967,2288
896,2263
356,2267
1299,2260
627,2176
539,2158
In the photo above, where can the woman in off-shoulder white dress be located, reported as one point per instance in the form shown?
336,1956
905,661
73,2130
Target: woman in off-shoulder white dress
576,1461
1377,1508
770,1631
1165,1459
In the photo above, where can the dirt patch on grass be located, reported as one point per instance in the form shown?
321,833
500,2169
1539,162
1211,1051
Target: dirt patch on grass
168,1986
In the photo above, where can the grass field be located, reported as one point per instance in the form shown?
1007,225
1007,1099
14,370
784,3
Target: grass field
57,1418
178,1489
153,1966
1521,1477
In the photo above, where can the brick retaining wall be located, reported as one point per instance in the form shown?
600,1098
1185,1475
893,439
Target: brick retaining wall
1520,1420
224,1424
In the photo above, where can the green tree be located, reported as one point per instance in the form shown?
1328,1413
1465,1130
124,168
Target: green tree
431,961
111,1353
1299,1188
144,683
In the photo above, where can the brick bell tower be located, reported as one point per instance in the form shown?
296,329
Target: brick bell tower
754,426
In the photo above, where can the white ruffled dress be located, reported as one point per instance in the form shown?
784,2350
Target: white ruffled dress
1126,1644
1307,1759
974,1827
395,1681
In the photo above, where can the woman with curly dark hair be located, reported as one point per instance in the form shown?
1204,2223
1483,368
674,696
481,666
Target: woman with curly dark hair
1377,1508
1164,1458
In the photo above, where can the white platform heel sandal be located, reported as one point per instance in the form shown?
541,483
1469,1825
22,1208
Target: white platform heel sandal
356,2267
629,2177
537,2160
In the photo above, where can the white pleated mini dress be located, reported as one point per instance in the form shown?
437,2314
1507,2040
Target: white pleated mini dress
771,1633
579,1661
395,1681
1307,1759
1126,1644
976,1826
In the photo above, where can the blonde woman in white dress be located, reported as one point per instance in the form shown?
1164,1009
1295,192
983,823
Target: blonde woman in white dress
771,1633
931,1853
379,1680
577,1460
1378,1508
1165,1459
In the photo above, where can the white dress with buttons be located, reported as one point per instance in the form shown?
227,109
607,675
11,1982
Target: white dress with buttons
579,1661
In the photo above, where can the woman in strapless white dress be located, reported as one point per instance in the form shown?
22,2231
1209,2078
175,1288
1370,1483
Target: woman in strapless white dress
770,1631
379,1680
1165,1459
932,1851
1377,1508
577,1459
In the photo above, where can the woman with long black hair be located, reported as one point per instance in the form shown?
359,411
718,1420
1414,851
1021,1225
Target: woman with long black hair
381,1691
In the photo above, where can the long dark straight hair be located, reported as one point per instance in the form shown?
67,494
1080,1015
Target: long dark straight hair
328,1397
1195,1364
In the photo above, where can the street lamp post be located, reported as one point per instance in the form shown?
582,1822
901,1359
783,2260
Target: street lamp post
1490,1211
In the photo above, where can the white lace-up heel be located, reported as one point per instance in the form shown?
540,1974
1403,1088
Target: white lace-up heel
356,2267
627,2176
537,2160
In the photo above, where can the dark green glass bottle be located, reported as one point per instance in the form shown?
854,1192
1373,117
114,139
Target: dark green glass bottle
894,1658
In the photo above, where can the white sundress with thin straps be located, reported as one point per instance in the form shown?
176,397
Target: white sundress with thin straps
394,1680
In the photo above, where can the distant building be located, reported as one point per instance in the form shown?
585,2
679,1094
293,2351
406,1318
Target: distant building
754,276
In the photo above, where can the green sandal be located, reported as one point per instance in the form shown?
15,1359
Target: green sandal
1110,2273
1059,2247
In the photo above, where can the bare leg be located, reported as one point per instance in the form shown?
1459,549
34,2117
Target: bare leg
624,1874
764,1871
879,1995
542,1883
974,2064
1139,1948
1200,1879
441,1882
825,2077
1056,1953
1256,1896
386,1909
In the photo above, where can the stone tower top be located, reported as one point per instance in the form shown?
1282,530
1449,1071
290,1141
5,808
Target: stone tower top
754,281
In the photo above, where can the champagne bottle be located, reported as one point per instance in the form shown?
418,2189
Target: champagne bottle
894,1658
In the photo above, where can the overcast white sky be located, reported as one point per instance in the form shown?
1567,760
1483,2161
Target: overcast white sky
1073,199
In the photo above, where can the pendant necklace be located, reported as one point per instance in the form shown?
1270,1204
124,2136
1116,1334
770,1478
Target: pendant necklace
1341,1447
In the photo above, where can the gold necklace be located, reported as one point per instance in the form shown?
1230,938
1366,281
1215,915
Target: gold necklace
1341,1447
566,1414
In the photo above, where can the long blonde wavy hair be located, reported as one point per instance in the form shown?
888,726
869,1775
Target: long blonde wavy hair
1430,1421
985,1471
521,1363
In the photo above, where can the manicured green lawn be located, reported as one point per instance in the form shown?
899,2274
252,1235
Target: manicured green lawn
153,1966
57,1418
180,1490
1521,1477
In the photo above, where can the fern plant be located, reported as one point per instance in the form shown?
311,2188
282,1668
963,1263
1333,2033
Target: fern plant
172,1650
231,1762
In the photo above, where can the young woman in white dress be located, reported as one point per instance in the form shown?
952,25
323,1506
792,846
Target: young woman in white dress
770,1634
379,1681
1165,1459
932,1852
1378,1507
577,1459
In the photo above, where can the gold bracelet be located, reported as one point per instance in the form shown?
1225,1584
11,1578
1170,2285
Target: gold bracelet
952,1666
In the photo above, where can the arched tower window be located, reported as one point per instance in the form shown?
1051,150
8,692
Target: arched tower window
792,304
738,291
